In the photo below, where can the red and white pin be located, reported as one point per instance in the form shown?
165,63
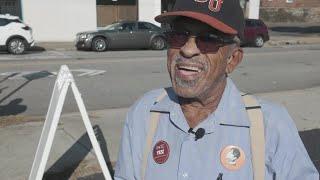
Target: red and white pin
232,157
161,152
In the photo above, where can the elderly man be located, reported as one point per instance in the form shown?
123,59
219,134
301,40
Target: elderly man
202,128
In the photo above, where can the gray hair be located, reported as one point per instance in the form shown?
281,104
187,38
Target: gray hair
237,40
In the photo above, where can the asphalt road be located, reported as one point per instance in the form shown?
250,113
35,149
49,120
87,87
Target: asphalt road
116,79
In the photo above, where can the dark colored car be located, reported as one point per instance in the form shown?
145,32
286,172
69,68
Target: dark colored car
255,32
123,35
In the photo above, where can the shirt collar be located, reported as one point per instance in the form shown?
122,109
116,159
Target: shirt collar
230,111
167,103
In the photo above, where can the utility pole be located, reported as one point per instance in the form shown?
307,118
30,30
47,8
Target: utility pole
252,9
244,4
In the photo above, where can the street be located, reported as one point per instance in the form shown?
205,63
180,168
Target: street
111,81
50,132
116,79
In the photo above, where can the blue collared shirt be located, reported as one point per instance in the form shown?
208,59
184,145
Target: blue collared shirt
203,159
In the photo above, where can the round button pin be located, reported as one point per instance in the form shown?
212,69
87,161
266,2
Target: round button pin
161,152
232,157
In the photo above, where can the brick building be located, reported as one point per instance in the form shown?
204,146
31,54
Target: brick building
290,10
290,3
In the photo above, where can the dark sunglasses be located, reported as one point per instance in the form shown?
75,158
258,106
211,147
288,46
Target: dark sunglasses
206,43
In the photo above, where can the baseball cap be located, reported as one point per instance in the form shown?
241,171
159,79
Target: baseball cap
223,15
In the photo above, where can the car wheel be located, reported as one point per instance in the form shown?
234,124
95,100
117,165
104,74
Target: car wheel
17,46
99,44
158,43
258,42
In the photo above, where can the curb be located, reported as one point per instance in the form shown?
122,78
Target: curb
293,41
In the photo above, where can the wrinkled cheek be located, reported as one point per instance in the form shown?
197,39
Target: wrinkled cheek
171,54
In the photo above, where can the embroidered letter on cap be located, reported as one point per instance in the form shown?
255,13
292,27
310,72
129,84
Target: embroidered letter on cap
214,5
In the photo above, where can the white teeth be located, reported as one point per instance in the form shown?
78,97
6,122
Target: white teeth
190,68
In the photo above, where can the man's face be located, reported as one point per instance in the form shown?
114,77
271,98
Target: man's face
194,74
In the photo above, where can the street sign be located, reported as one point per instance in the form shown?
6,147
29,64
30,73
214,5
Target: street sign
64,80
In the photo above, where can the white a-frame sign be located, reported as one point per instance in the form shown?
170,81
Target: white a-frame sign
64,80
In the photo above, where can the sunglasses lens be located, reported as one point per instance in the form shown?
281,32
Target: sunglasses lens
206,44
176,39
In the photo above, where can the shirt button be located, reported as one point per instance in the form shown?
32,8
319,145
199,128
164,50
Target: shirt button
185,175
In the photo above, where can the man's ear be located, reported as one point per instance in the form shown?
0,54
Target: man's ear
234,59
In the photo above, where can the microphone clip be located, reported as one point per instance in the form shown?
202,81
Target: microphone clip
198,134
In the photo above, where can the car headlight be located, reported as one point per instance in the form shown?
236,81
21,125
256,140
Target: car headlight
89,36
83,36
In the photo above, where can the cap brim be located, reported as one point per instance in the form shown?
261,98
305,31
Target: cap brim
213,22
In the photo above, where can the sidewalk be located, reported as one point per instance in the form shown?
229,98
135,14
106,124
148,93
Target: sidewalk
72,155
54,46
293,33
283,40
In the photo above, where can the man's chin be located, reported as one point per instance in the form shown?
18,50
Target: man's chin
185,92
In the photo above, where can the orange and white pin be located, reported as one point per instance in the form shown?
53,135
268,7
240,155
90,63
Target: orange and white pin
232,157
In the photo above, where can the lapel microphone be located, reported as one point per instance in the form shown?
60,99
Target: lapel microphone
199,133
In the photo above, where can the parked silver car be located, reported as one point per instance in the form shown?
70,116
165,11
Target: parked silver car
123,35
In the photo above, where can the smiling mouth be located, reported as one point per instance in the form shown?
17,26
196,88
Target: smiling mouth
188,71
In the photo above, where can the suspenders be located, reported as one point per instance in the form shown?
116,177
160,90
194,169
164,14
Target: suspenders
256,134
154,120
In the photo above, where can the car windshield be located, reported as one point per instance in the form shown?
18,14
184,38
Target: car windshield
112,26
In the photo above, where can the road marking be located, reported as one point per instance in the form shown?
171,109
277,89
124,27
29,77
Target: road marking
88,72
37,56
107,60
26,74
77,62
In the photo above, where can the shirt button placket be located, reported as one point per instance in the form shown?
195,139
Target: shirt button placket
185,161
185,175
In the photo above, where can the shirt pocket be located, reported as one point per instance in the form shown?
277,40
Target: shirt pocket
234,152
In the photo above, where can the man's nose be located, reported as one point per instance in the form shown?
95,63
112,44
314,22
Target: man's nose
190,49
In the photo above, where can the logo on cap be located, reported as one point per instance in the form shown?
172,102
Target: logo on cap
232,157
161,152
214,5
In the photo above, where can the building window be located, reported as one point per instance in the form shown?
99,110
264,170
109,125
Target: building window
10,7
289,1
